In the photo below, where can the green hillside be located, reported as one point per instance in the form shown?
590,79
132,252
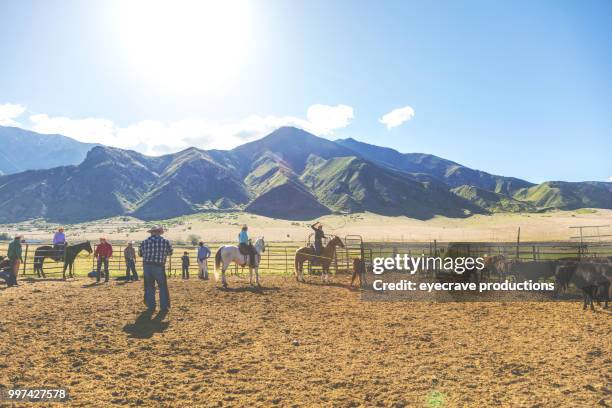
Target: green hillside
350,184
567,195
491,201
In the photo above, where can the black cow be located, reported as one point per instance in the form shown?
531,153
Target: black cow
592,278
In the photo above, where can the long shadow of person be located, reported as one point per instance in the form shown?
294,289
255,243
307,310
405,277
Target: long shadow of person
146,325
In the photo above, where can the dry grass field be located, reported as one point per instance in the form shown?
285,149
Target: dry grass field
224,227
292,344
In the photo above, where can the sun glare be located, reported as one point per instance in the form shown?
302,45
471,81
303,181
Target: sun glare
185,45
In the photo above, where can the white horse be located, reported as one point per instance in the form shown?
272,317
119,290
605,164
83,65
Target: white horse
230,253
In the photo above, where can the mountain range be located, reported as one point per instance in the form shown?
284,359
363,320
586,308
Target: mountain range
289,174
22,150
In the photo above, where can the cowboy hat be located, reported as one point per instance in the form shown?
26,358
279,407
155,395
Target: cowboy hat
18,236
157,228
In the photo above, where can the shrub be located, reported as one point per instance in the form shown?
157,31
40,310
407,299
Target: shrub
193,239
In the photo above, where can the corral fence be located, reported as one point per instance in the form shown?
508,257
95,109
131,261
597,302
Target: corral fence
279,256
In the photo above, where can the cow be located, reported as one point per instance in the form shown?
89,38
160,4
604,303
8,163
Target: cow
535,270
592,278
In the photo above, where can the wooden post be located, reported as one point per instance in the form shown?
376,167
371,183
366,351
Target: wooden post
286,261
534,252
25,260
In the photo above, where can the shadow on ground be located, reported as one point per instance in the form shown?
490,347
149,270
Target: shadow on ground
146,325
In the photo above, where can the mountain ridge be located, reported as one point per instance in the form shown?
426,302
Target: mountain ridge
288,174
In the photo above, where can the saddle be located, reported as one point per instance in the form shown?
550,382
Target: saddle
243,249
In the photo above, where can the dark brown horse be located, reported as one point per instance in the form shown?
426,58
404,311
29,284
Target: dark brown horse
307,253
68,256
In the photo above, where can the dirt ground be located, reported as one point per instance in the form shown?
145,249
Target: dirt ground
292,344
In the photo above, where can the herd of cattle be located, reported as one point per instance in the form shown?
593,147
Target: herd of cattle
592,275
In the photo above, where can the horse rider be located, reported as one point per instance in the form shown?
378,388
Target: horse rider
245,246
59,242
318,237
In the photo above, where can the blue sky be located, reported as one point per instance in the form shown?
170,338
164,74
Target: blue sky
517,88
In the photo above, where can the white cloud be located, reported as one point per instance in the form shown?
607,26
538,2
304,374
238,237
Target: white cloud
397,116
325,119
86,130
9,112
156,137
610,178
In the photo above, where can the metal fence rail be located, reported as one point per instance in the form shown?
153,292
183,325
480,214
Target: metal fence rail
279,256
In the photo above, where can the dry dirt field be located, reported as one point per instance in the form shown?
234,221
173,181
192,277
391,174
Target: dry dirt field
292,344
224,227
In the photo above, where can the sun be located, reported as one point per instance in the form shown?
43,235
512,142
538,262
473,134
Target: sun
185,45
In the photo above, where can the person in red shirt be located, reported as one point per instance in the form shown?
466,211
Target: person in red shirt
103,252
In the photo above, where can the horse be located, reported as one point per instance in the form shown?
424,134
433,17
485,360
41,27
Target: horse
70,255
307,253
231,253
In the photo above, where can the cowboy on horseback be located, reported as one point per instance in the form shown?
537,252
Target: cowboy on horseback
318,237
245,245
59,243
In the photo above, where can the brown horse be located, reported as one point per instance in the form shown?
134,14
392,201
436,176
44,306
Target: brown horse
328,253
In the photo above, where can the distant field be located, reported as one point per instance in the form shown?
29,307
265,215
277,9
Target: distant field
224,227
284,237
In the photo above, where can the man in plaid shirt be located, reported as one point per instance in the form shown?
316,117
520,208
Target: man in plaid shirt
154,251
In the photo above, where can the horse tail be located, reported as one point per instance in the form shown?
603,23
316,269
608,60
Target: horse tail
218,261
297,262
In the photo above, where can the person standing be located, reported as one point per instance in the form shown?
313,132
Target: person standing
103,252
185,264
15,259
203,255
129,254
154,251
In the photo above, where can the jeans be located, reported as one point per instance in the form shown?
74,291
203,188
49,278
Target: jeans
155,273
8,277
15,263
130,266
102,260
203,263
185,272
318,247
250,250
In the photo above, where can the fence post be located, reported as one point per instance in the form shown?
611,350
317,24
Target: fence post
286,261
25,260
